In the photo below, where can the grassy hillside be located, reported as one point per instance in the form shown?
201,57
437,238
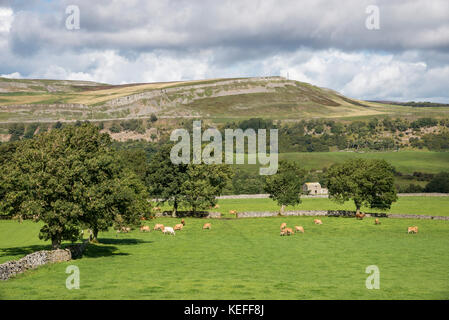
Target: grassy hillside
217,99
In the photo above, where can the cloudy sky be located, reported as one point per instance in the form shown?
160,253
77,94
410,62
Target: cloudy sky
326,43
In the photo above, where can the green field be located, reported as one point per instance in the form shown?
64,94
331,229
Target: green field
404,161
435,206
243,259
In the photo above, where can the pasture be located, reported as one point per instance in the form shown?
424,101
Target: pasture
243,259
406,162
433,206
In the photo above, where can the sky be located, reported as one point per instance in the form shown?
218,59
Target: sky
397,51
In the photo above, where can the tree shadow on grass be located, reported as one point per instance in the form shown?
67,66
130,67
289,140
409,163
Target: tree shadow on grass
99,251
107,247
126,241
23,251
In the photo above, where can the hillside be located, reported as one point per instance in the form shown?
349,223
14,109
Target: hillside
217,99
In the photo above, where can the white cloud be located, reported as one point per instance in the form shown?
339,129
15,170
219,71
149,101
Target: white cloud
14,75
6,19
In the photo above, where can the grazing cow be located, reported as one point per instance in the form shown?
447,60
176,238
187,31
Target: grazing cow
207,226
123,229
168,230
360,216
317,221
299,228
145,228
283,232
284,225
412,229
377,221
289,231
233,211
158,226
178,226
183,222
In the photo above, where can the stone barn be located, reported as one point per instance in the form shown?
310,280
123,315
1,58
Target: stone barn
314,188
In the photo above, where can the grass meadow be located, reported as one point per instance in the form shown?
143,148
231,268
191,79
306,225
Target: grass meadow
407,161
435,206
245,259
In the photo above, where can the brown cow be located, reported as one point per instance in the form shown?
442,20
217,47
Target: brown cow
283,232
157,209
412,229
317,221
299,228
178,226
377,221
289,231
183,222
124,229
207,226
145,228
360,216
283,225
158,226
233,211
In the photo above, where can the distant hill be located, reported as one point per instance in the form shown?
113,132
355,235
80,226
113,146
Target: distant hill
217,99
419,104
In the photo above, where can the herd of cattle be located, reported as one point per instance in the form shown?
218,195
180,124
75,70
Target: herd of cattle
170,230
284,230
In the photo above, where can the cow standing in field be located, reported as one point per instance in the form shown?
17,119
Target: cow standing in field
183,222
145,228
158,226
232,211
359,216
377,221
317,221
412,229
178,227
168,230
283,225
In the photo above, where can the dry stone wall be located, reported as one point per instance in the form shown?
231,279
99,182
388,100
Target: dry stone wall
33,260
334,213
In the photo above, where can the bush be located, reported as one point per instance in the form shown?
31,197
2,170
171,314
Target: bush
115,128
439,183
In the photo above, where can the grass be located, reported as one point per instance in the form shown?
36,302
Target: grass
404,161
436,206
244,259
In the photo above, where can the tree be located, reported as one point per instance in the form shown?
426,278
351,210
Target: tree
366,182
164,178
285,186
203,183
70,178
439,183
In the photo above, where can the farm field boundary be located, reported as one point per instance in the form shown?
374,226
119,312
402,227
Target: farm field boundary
263,196
333,213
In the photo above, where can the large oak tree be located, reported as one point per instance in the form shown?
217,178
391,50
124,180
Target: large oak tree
69,179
